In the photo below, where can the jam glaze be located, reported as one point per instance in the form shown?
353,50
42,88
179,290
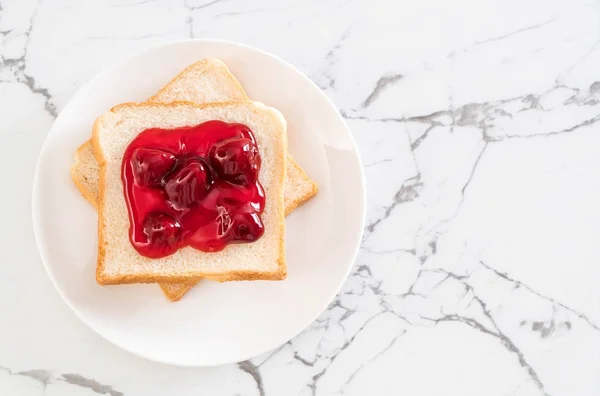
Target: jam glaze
192,186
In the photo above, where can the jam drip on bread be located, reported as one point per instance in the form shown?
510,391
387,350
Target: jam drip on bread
193,186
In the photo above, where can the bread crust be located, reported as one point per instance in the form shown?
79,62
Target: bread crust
293,204
205,64
175,292
106,279
77,179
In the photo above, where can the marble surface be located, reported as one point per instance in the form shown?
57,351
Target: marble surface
478,124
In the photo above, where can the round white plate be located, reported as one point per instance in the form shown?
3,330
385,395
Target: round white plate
214,323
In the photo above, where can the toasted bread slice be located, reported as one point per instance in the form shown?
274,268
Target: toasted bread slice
119,262
208,80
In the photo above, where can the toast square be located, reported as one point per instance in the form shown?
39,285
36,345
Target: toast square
208,80
119,262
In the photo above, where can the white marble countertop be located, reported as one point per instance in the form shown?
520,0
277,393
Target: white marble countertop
477,121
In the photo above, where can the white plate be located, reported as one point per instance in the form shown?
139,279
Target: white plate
214,323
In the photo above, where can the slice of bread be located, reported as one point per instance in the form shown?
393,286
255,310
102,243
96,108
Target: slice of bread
208,80
119,262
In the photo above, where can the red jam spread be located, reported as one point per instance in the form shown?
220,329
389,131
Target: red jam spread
193,186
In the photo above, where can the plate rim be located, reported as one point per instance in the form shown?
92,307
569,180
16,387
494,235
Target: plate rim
37,215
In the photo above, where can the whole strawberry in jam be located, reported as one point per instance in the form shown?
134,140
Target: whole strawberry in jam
151,165
163,234
236,160
187,184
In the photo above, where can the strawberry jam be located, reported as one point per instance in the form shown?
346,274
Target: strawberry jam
192,186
